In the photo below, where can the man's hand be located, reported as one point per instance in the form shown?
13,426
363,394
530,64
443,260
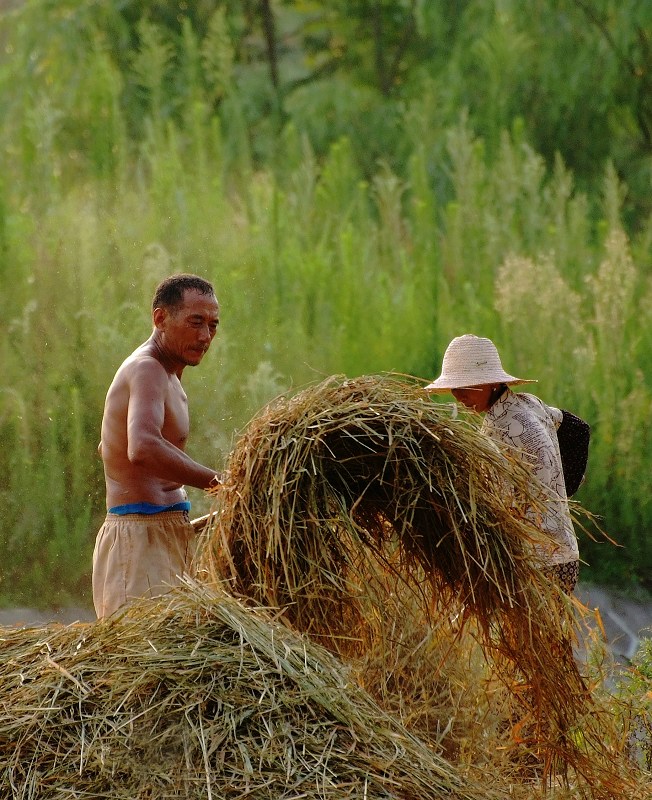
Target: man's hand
216,481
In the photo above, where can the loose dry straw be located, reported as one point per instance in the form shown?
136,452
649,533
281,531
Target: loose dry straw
330,492
320,479
195,696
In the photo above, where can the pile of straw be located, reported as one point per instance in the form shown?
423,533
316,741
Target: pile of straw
321,481
195,696
334,493
331,494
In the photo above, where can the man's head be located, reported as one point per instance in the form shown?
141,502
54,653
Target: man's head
185,313
169,293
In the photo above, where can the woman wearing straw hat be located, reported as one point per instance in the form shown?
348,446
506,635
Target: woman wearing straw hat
473,373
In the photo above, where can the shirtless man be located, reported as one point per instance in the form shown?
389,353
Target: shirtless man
146,541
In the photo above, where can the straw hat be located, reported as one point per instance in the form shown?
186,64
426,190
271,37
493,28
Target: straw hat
471,361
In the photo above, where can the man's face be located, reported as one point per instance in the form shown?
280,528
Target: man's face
188,331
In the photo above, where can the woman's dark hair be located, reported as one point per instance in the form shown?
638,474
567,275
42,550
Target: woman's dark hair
497,393
169,293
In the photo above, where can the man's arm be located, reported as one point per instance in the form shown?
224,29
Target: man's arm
147,448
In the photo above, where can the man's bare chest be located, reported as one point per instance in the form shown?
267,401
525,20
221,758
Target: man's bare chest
176,423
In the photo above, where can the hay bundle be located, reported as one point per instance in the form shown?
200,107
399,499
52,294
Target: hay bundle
195,696
333,494
321,480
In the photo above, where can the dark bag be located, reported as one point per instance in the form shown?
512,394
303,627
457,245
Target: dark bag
573,435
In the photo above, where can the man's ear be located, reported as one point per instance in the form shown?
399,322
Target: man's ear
159,315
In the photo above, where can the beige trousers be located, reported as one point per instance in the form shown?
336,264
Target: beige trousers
140,555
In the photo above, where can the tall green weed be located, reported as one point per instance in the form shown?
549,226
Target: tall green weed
322,265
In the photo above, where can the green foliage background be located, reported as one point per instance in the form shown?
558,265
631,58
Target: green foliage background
362,181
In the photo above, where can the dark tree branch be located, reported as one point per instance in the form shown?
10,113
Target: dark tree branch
645,92
379,47
269,29
408,33
387,75
604,30
638,73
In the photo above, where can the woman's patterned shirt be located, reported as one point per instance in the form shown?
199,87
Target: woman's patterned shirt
528,426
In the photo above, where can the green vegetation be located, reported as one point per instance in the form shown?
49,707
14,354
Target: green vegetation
362,182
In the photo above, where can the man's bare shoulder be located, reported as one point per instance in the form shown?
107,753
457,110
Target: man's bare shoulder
141,365
139,374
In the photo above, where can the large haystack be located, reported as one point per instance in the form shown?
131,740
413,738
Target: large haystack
335,496
363,471
332,494
195,696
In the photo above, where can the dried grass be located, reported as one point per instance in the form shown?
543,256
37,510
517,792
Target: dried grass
195,696
337,495
438,681
321,481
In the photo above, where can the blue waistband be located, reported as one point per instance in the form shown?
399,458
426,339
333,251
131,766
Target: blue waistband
149,508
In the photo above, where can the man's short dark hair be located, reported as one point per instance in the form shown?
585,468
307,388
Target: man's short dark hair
169,293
